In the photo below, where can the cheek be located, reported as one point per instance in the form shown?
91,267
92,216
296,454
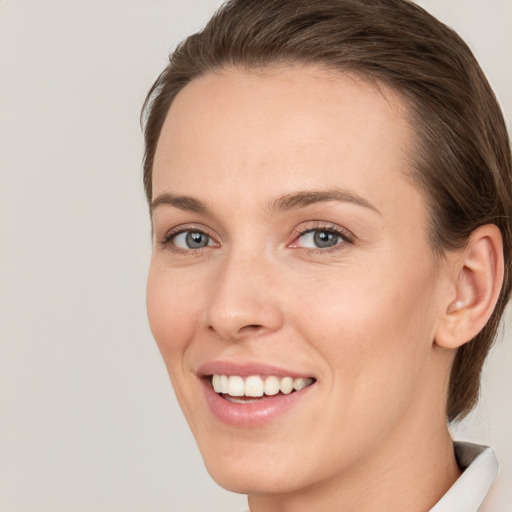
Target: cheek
374,328
174,313
376,342
173,310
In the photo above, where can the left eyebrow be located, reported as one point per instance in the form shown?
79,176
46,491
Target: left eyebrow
308,197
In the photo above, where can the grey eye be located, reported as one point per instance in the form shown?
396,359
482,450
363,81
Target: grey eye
192,240
319,239
325,238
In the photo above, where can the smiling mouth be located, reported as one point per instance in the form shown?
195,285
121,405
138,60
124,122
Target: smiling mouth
254,388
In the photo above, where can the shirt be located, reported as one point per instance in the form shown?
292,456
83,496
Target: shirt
468,493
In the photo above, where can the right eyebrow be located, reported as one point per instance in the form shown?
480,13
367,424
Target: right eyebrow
185,203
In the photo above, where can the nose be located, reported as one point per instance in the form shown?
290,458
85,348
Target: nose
244,301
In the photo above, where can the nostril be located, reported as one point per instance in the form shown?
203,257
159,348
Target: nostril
250,328
239,317
242,331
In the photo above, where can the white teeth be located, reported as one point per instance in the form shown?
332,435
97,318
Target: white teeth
301,383
236,386
254,386
286,385
223,384
271,386
216,383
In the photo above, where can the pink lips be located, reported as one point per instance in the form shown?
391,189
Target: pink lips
255,413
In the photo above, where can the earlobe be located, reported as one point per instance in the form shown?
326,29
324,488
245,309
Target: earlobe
477,282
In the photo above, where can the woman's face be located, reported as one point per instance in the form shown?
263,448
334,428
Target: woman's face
289,244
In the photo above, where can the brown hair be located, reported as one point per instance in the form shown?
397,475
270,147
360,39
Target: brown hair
462,157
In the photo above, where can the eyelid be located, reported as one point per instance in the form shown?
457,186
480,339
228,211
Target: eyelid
166,240
346,236
304,228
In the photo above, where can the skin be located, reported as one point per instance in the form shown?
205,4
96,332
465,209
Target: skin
363,318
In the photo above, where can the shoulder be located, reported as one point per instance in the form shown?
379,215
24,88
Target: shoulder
499,497
482,464
471,492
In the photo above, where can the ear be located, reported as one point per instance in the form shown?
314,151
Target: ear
476,281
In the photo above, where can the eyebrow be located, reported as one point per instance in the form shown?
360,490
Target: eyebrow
185,203
308,197
283,203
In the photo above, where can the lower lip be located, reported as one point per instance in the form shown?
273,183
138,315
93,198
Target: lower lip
252,414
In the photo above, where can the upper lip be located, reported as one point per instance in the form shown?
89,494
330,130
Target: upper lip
246,369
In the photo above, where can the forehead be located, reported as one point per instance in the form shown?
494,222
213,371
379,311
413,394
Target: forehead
287,126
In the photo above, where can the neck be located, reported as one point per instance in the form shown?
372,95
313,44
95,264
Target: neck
408,473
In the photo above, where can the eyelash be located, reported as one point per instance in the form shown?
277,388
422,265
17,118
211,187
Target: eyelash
345,236
167,241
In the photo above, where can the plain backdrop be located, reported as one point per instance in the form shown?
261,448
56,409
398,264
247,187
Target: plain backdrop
88,420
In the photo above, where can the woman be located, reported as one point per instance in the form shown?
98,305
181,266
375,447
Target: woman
329,186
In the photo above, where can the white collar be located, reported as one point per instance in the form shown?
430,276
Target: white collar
469,491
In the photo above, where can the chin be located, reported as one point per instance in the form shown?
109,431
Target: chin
247,479
258,466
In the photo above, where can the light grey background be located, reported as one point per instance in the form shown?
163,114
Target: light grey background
88,421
